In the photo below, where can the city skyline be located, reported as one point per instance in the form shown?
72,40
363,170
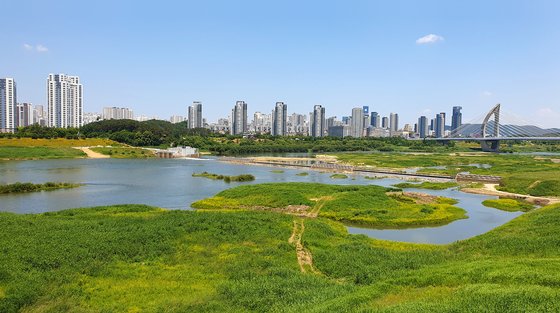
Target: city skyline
413,58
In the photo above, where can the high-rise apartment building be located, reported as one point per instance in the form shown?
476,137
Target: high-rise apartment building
239,118
39,115
64,101
440,125
456,118
8,105
114,113
357,125
195,115
318,124
24,114
280,119
393,122
174,119
375,119
385,122
422,127
262,123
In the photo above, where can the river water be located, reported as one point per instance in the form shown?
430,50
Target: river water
168,183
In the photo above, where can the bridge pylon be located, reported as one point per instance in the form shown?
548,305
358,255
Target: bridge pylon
491,145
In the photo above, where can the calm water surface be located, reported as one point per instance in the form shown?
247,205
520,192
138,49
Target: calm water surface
168,183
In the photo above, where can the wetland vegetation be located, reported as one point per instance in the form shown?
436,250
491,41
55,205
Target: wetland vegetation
523,174
30,187
510,205
226,178
139,258
363,205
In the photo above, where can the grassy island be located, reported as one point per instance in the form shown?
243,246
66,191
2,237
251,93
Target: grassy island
427,185
132,258
30,187
227,179
364,205
510,205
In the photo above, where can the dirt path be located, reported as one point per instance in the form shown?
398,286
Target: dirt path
490,189
304,257
92,154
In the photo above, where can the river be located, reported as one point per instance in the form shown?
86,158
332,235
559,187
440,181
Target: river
168,183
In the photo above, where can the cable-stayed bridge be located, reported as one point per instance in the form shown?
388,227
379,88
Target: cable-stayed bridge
496,127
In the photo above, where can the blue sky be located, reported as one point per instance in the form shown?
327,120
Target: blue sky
158,57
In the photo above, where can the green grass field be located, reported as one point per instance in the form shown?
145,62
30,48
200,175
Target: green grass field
525,174
364,205
31,153
60,148
134,258
125,152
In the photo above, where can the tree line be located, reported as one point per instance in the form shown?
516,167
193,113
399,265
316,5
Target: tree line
164,133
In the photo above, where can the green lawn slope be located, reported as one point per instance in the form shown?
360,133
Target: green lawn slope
135,258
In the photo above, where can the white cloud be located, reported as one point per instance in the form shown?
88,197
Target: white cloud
41,48
487,93
38,48
431,38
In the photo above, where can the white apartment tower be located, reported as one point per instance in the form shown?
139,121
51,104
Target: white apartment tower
279,119
8,105
195,115
64,101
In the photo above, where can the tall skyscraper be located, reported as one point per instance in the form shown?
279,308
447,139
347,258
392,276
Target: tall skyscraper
357,126
375,119
24,114
279,119
440,125
365,109
393,122
318,121
195,115
456,118
8,105
385,122
423,127
239,118
64,101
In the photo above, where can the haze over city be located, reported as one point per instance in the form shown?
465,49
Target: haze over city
406,57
